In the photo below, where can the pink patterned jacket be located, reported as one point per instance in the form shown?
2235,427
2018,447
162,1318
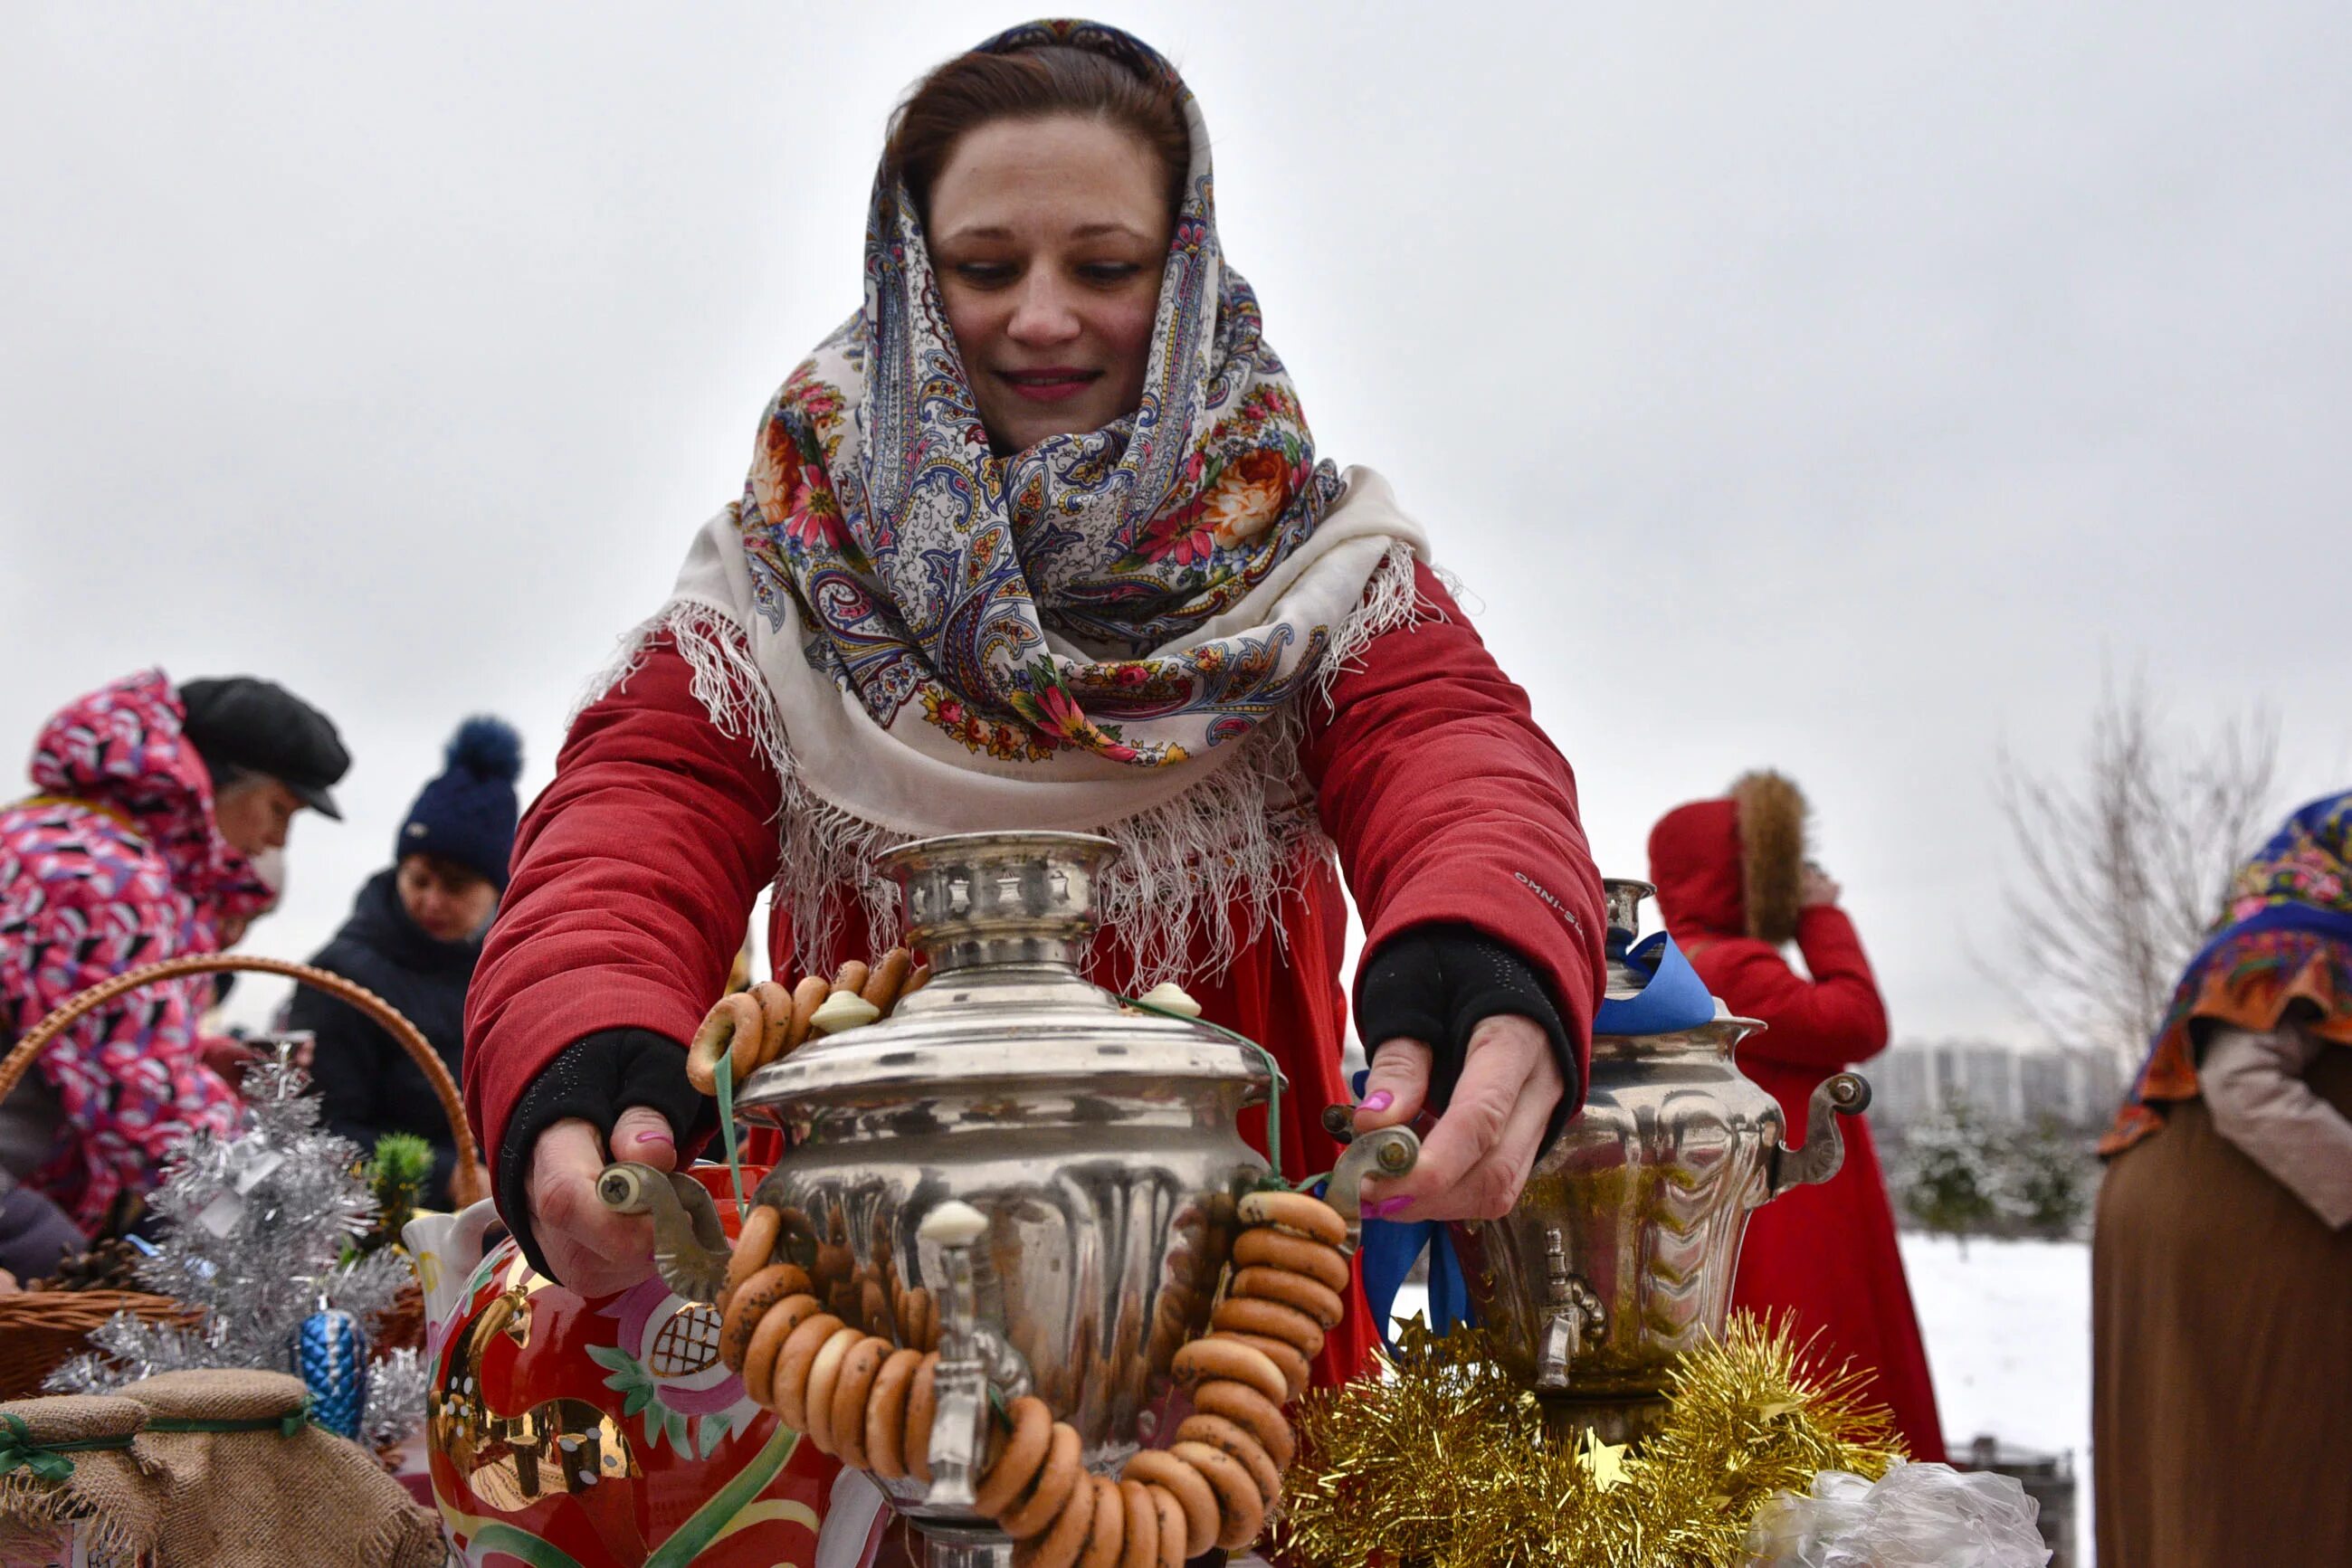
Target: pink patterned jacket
116,862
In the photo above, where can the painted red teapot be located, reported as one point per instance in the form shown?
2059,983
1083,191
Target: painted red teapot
568,1432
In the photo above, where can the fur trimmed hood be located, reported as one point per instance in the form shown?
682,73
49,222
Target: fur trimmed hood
1733,866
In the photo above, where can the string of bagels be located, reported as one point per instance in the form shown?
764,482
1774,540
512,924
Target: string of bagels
868,1400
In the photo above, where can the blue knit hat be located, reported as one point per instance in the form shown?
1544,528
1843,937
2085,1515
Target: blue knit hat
468,814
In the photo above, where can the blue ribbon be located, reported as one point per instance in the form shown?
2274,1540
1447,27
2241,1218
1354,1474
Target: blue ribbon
1672,996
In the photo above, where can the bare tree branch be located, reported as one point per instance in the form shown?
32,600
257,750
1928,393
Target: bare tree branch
2121,862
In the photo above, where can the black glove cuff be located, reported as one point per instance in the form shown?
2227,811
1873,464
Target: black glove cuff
1437,983
595,1079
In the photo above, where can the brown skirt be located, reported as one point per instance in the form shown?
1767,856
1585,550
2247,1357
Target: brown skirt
2221,1356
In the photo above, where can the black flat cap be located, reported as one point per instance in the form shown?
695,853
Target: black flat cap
259,726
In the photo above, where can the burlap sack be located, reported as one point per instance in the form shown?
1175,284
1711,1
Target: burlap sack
260,1499
116,1494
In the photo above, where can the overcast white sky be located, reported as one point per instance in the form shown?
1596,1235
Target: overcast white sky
1834,387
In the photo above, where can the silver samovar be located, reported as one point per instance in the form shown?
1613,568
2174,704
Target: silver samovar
1095,1146
1618,1257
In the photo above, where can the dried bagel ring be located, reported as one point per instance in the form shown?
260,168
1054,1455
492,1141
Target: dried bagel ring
1312,1297
1252,1314
1297,1372
767,1342
824,1373
755,1245
882,986
922,1404
916,978
1023,1456
885,1415
1174,1529
851,977
748,1304
1254,1413
1296,1213
1107,1532
731,1030
851,1388
874,1305
775,1016
1240,1511
1264,1246
1220,1433
1064,1495
1218,1356
792,1364
807,996
1032,1513
1189,1488
1142,1547
925,1312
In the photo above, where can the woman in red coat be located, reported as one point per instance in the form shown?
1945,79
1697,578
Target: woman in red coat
1735,886
1039,539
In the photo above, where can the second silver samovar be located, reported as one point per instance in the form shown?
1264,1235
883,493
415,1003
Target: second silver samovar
1619,1256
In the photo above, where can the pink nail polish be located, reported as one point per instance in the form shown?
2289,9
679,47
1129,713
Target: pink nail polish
1379,1100
1389,1206
661,1139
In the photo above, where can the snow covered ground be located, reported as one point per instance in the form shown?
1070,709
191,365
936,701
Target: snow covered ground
2009,1338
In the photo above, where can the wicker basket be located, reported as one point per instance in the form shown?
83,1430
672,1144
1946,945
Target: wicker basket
39,1331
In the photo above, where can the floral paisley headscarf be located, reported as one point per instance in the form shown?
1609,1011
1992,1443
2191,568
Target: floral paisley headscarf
2283,944
1110,631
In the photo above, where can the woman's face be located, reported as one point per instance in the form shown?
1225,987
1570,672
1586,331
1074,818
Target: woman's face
449,901
1048,236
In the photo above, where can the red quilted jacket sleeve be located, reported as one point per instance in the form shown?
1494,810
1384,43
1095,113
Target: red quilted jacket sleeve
1450,807
633,877
1829,1023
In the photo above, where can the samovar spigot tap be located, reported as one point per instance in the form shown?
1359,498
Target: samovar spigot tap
960,1426
1571,1313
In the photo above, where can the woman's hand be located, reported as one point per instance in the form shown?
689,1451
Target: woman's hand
592,1250
1816,889
1478,1157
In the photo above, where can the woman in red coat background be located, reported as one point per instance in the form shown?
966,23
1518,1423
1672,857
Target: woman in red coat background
1733,885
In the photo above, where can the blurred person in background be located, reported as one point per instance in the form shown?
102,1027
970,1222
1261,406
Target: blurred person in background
150,803
413,936
2221,1264
1735,887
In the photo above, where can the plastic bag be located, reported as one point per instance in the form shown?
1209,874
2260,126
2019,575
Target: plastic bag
1920,1516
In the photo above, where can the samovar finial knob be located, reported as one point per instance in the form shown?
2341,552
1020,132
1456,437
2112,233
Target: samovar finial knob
1621,897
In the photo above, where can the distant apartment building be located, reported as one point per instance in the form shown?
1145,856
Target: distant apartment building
1913,1079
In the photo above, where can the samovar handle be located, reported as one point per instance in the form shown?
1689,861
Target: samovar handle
1845,1094
690,1251
1384,1151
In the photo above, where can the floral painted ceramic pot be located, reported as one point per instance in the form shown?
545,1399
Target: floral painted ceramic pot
572,1433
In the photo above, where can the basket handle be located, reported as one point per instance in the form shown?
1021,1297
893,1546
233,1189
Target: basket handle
464,1186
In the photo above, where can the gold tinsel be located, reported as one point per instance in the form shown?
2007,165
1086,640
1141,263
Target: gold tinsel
1439,1460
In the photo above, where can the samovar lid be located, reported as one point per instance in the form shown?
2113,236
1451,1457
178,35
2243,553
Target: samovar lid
1658,1005
1005,920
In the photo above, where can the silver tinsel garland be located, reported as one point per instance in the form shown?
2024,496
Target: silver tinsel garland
257,1238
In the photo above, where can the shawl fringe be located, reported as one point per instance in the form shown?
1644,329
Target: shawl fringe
1196,877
